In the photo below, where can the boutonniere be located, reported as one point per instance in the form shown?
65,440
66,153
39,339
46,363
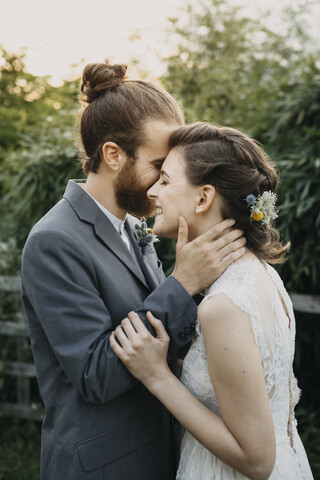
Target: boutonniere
145,234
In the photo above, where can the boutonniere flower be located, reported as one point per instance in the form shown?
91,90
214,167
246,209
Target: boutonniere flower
262,208
145,234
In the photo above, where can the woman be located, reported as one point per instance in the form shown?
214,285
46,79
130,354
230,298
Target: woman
238,391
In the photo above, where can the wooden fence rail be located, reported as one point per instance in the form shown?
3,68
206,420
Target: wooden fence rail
24,372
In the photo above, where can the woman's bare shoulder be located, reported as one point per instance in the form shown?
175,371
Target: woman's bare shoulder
219,311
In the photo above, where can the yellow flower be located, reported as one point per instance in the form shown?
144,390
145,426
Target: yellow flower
258,216
149,230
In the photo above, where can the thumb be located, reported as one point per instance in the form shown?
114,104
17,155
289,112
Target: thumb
157,325
182,239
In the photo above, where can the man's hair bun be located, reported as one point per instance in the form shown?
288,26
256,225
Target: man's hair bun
98,78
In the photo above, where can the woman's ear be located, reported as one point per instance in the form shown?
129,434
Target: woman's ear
112,155
205,198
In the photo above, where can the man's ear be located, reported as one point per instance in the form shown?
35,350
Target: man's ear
112,155
205,198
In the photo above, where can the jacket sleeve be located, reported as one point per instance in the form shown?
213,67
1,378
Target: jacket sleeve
60,291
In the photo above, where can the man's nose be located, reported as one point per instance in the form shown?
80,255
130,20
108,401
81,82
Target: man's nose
152,192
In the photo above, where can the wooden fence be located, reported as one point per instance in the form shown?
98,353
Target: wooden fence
16,327
24,372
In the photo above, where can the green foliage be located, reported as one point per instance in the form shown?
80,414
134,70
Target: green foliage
228,68
294,140
18,91
35,177
309,431
306,367
299,219
37,152
8,308
26,100
166,250
20,450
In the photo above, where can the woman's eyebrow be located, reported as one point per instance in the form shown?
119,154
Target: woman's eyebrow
163,172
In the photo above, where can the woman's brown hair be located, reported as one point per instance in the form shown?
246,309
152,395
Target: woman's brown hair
116,109
236,166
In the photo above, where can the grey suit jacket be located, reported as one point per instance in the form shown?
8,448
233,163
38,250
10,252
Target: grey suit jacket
78,281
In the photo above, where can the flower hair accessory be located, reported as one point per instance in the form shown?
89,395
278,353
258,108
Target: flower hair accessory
145,234
262,208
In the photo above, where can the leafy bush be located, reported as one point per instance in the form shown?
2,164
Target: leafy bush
20,450
34,178
294,140
306,367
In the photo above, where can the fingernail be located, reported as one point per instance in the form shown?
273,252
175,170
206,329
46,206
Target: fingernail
231,221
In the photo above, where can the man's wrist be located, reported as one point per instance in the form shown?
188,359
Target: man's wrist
185,284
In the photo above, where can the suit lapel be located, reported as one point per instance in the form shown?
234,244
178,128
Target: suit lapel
88,211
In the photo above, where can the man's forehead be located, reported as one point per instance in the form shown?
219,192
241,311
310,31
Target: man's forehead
158,131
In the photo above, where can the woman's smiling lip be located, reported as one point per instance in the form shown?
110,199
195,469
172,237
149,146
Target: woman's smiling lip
158,210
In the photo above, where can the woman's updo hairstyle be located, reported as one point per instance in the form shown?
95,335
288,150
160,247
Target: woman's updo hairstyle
116,109
236,166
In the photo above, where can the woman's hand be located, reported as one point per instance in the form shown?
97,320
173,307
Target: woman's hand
144,356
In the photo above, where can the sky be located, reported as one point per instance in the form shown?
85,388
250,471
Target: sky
62,36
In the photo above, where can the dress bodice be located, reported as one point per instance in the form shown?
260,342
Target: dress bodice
255,288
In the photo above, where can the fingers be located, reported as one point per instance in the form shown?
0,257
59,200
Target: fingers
121,336
231,257
230,242
131,331
217,230
158,326
133,336
136,323
128,328
118,350
182,233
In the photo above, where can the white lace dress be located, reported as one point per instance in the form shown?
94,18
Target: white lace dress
257,289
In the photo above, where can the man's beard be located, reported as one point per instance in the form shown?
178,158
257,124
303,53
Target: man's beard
130,194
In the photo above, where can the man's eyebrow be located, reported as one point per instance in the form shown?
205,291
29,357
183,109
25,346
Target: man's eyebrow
158,161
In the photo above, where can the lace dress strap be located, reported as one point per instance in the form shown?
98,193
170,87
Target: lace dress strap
238,283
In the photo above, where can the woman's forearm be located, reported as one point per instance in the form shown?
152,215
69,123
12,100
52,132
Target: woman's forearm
240,437
206,426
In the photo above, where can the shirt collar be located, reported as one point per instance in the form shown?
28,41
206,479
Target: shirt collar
116,222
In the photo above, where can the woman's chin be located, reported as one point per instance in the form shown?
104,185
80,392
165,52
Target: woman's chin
165,232
160,230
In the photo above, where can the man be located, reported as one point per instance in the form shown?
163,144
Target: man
83,271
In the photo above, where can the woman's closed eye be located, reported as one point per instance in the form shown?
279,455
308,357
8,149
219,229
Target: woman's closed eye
163,182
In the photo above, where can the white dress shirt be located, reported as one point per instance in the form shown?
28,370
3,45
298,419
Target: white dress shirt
118,225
